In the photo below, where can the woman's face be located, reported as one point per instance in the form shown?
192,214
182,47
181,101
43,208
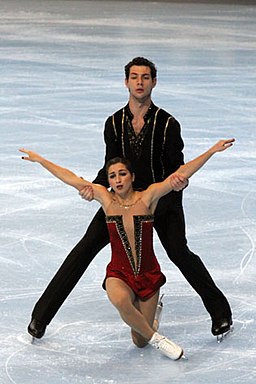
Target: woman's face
120,179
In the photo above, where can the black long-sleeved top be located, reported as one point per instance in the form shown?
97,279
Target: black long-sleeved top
158,152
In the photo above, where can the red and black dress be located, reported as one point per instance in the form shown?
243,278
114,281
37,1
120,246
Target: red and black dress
144,276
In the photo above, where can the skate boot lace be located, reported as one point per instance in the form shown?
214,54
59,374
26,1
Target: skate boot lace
170,348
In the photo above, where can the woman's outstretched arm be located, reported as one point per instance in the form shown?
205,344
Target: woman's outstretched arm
188,169
157,190
61,173
101,194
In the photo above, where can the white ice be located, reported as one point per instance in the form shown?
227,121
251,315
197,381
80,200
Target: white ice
61,74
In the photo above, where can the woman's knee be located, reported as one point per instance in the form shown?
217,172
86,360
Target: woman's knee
138,340
122,303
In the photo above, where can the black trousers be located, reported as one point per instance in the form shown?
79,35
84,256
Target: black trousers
170,226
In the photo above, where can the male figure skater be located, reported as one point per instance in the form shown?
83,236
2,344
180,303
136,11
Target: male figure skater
151,139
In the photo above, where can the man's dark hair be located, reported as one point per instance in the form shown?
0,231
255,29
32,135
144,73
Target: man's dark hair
141,61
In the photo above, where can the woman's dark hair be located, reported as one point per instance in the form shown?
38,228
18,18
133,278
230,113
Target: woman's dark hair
140,61
121,160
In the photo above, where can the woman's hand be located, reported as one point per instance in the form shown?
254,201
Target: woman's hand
32,156
222,145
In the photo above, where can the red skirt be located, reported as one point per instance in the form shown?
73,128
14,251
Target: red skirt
144,285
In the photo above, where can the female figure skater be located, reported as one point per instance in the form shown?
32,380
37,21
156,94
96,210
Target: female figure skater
133,277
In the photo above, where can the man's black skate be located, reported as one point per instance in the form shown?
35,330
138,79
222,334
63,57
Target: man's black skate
36,328
221,327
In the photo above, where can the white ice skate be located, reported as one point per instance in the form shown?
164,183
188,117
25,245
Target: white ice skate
166,346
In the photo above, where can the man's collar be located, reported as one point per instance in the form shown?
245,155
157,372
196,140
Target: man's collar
148,114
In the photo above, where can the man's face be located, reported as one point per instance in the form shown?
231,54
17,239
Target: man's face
140,82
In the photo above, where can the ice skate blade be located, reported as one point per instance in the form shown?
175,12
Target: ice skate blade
221,337
160,301
158,314
181,357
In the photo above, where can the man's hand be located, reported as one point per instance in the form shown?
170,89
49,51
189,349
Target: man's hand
178,182
87,193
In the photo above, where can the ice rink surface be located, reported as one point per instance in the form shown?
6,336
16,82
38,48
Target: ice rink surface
61,74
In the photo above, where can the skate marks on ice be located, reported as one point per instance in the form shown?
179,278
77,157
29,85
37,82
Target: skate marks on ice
76,351
234,329
90,352
248,228
226,361
53,86
93,350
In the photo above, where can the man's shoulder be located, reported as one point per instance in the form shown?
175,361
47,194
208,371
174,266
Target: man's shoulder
165,120
113,123
117,113
164,114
